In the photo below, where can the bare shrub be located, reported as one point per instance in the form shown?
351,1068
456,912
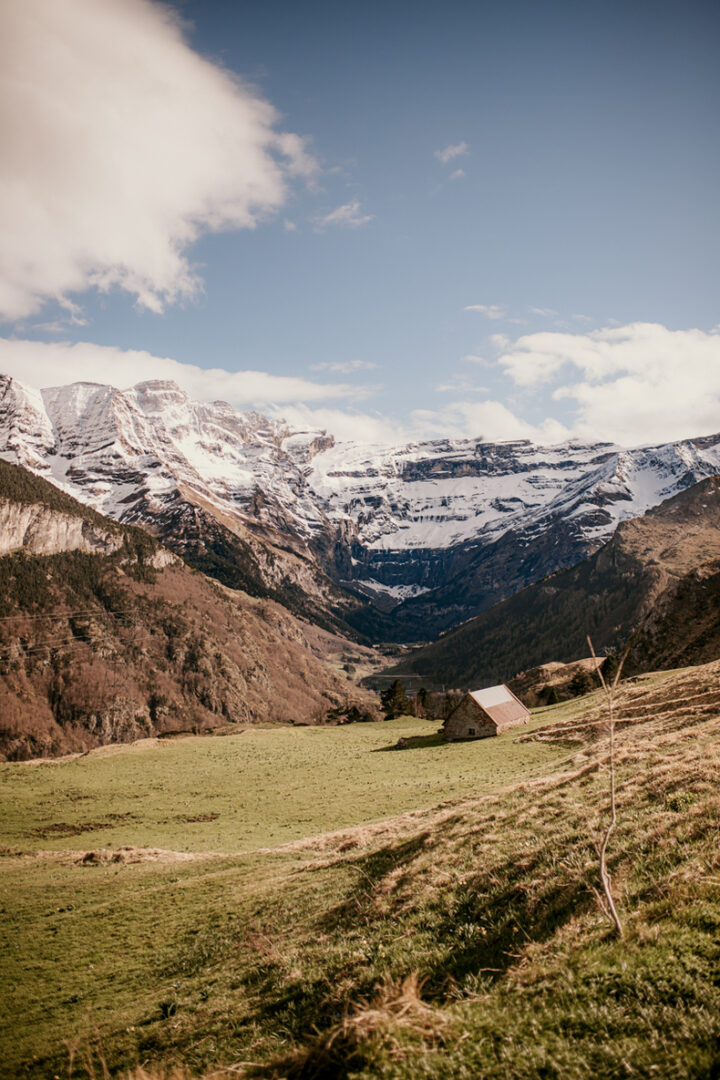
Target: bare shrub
607,902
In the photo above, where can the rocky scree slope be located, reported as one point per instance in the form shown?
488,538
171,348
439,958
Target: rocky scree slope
106,644
657,581
398,543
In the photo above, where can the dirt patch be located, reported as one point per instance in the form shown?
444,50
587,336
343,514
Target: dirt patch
192,818
9,852
67,828
130,854
125,855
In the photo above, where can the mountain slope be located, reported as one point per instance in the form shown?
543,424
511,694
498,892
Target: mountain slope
658,576
113,638
187,472
395,542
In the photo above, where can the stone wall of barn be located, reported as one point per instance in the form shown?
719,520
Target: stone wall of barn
468,721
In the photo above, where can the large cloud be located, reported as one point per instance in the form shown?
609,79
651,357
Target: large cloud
120,146
41,364
302,402
640,383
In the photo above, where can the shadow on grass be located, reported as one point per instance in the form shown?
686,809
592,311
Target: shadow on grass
478,925
463,938
414,742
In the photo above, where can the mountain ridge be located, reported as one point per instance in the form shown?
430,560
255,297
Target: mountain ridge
389,543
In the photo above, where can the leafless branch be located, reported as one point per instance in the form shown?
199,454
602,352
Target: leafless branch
609,688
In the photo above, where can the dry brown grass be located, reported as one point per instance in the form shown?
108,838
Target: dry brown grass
395,1019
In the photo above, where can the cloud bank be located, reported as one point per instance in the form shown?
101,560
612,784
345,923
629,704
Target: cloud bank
640,383
633,385
42,364
121,145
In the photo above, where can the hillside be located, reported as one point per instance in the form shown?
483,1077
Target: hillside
389,543
657,577
113,638
462,940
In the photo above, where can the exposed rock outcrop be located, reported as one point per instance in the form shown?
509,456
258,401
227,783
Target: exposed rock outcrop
40,531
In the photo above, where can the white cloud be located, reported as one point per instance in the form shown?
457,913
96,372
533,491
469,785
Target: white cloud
344,424
491,311
545,312
457,175
43,364
452,151
289,226
488,420
640,383
345,367
121,145
348,215
460,385
637,384
300,401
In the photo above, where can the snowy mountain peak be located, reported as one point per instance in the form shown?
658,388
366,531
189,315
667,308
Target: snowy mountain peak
392,522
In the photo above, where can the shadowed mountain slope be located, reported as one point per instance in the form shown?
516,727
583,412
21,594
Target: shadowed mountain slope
659,577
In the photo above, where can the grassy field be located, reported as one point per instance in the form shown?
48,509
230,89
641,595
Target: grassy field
463,941
260,788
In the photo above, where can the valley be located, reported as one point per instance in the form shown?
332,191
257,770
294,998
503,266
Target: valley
458,939
359,541
652,587
217,861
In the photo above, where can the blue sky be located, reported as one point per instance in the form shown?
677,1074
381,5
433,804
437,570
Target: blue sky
476,177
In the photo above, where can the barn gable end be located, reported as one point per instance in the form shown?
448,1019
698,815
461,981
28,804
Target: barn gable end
482,713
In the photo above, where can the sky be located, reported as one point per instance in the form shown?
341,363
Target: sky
392,220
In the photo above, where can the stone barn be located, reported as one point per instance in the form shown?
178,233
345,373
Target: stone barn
481,713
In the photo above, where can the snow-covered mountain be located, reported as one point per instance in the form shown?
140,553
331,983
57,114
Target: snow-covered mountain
436,530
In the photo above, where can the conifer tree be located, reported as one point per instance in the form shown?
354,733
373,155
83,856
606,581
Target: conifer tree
395,701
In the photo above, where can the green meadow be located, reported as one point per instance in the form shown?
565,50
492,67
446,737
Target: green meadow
260,788
88,943
157,923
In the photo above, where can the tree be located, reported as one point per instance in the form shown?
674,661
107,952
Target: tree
581,683
395,701
609,667
549,695
420,702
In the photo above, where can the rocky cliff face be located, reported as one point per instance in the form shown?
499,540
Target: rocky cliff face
38,530
429,533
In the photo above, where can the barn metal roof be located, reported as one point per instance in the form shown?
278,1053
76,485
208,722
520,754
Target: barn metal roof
501,705
493,695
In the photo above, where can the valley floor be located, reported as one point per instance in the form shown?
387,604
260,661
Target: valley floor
459,941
